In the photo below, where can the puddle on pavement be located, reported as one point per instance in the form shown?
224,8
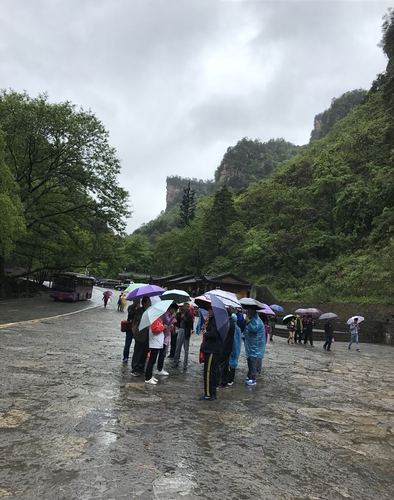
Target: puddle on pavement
13,419
170,487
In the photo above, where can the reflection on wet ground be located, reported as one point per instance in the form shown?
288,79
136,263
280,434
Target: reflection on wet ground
75,424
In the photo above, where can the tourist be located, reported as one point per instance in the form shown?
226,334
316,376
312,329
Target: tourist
129,331
298,329
169,320
233,361
183,337
210,351
354,328
120,303
157,352
227,349
141,340
174,333
308,332
291,327
254,335
328,333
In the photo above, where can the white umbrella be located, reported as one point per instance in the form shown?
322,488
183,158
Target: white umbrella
351,320
153,312
253,303
229,299
288,317
328,316
133,286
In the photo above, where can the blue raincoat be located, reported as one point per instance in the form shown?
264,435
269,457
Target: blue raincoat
255,338
233,361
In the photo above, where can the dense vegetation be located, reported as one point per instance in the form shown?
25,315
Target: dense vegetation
60,201
320,227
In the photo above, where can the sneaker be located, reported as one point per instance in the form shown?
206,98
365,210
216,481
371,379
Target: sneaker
155,379
163,373
229,384
348,347
151,381
358,350
125,360
207,398
135,374
250,382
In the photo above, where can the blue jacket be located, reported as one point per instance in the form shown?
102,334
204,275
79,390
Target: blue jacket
254,334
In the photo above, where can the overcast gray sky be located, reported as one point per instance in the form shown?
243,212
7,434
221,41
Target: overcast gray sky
178,81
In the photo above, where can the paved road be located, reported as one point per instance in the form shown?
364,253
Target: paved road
75,424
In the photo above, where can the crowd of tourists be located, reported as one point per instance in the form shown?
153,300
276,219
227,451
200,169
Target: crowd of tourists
167,337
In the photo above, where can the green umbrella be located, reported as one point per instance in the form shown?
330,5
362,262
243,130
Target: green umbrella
133,286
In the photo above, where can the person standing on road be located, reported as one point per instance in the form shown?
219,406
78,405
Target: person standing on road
129,330
157,351
210,349
233,361
291,327
308,334
354,328
184,333
141,337
169,320
329,333
298,329
254,344
224,368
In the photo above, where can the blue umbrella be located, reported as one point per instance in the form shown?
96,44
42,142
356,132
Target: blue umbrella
221,316
277,308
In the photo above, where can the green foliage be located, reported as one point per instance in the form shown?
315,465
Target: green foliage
250,160
187,207
339,108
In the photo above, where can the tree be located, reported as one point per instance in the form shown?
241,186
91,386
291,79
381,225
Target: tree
67,175
12,222
187,206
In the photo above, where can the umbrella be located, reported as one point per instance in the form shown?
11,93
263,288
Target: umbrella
247,302
328,316
300,311
221,316
313,311
228,298
351,320
178,296
153,312
288,318
277,308
203,301
133,286
266,310
108,293
145,291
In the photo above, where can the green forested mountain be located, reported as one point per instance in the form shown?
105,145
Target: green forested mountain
321,226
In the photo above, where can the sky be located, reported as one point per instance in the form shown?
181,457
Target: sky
176,82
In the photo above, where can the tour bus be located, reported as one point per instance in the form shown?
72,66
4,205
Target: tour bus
71,286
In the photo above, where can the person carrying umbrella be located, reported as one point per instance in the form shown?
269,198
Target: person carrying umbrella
183,337
211,349
254,334
308,331
298,329
157,351
354,328
329,333
141,338
227,350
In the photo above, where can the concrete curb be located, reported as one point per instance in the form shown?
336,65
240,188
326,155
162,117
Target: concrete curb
37,320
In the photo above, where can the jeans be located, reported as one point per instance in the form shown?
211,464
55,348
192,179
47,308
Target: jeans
252,368
354,338
128,340
328,342
182,341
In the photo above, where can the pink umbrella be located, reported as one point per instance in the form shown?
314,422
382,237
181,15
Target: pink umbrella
266,310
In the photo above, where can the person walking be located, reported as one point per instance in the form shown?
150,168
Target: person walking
119,304
308,335
210,349
254,335
141,337
328,333
291,327
183,337
354,329
157,351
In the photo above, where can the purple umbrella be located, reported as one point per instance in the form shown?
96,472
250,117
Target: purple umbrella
221,316
145,291
266,310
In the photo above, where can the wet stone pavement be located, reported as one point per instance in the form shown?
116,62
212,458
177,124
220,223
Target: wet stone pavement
75,424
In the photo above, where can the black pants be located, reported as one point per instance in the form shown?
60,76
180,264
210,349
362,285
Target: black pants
139,356
298,336
211,365
174,337
155,354
127,344
308,336
224,369
231,375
